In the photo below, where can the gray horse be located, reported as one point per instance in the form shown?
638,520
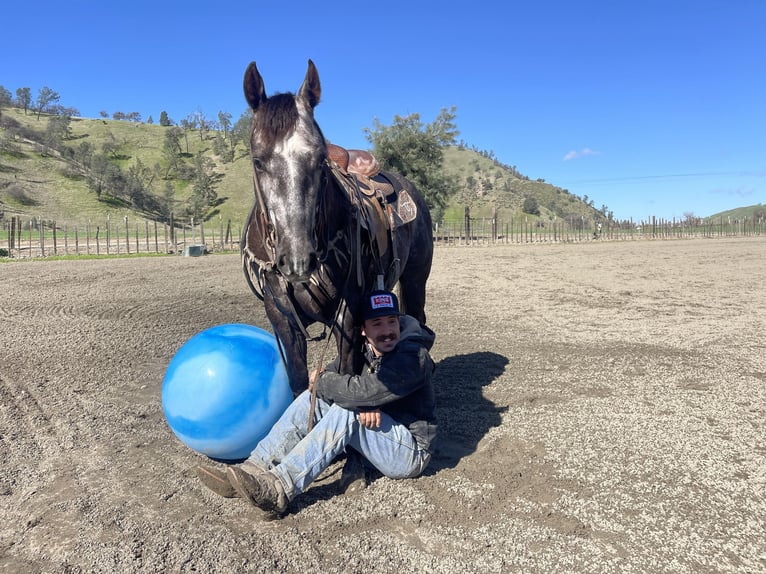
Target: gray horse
308,248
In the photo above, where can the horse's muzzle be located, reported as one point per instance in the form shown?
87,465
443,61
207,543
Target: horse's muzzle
297,269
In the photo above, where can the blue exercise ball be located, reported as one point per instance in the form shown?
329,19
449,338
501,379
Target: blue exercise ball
224,389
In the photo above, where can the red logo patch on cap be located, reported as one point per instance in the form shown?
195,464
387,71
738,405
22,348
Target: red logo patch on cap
381,301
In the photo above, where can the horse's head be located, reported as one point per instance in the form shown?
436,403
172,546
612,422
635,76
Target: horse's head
288,153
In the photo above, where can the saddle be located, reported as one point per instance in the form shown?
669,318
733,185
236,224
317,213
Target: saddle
384,203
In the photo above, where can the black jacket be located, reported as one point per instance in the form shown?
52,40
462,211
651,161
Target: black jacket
398,383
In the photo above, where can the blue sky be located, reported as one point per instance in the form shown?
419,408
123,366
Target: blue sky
652,108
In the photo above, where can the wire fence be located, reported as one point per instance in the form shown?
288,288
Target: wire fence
38,237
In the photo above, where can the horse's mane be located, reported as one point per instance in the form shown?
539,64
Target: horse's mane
276,118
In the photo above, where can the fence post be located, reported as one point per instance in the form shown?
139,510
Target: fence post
172,233
467,225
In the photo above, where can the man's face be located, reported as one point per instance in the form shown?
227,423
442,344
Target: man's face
382,333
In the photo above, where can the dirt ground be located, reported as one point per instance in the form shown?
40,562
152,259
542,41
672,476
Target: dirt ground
602,409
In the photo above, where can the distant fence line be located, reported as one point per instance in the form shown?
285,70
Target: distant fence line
43,238
478,231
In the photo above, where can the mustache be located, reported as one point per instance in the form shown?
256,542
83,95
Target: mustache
386,337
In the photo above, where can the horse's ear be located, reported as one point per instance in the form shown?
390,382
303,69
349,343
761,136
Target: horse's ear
255,92
311,91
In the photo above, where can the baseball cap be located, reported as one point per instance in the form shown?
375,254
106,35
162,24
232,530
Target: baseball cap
379,304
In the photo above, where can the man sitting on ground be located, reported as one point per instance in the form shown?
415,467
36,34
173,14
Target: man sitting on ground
386,414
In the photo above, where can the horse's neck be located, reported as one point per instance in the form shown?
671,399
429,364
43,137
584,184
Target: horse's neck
336,230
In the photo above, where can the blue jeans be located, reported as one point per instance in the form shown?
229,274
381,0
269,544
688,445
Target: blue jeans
298,457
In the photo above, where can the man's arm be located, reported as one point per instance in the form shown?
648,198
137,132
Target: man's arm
400,373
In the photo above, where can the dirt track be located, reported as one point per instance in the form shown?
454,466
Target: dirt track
602,409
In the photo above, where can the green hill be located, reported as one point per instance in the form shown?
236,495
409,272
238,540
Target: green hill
52,182
39,181
486,184
751,212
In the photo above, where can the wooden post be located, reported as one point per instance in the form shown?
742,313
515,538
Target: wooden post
41,233
172,233
467,225
127,235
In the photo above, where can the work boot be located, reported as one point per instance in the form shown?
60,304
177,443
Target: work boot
353,477
262,489
216,480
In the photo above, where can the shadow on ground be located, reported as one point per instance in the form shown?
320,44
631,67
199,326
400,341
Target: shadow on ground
465,415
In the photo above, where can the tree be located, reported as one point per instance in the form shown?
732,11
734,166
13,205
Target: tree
24,98
224,120
45,97
138,181
6,98
97,177
416,151
167,201
187,124
241,129
171,149
530,206
57,131
165,121
83,155
204,194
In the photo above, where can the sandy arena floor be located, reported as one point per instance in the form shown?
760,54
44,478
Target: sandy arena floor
602,409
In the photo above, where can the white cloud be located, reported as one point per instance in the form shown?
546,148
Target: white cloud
586,151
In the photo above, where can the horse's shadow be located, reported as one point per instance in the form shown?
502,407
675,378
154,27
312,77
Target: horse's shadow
464,414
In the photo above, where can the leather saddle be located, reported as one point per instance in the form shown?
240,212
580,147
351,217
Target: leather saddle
384,203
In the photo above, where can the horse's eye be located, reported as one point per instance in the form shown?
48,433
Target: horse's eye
258,164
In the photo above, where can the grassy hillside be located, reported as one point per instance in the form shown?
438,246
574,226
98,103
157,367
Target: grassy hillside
486,184
751,212
35,181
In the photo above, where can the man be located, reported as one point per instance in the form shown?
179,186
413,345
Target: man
385,413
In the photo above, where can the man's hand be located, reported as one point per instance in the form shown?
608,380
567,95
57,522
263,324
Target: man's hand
370,419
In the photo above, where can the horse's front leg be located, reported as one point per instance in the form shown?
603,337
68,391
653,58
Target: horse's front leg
293,346
349,340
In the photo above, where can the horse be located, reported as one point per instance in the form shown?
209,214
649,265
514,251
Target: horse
307,250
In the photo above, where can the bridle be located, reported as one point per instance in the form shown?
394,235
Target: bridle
268,231
267,228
